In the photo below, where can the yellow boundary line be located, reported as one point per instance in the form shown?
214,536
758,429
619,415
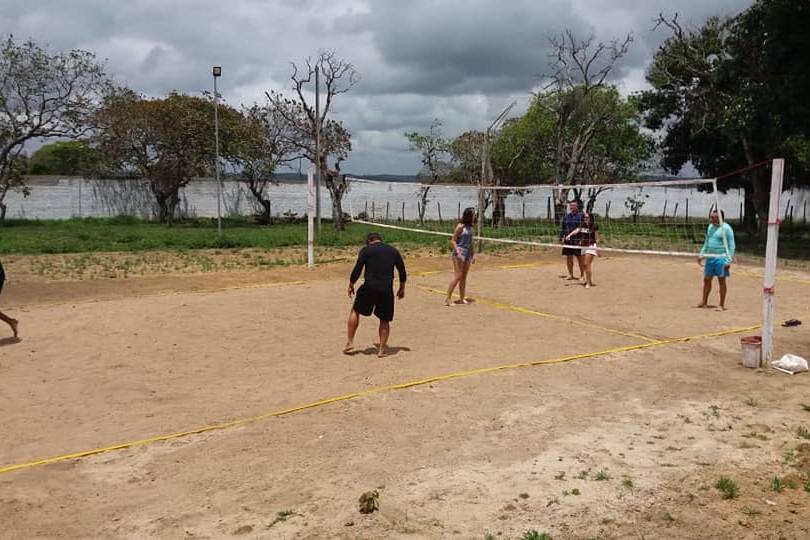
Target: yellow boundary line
364,393
527,311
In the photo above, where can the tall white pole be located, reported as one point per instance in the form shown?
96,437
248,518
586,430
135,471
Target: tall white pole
217,72
777,172
318,147
311,216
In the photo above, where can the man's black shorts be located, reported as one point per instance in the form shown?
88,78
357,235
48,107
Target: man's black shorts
571,251
378,301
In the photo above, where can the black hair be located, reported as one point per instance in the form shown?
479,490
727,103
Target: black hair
592,217
372,236
468,216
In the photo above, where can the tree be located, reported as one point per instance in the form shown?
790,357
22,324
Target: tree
582,103
69,158
42,95
600,142
733,93
259,148
433,147
301,123
167,141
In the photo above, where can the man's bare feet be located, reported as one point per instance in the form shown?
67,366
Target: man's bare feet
448,303
701,306
381,352
349,348
722,308
461,302
572,278
14,326
587,285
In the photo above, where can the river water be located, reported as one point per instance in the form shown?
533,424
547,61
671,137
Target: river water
64,198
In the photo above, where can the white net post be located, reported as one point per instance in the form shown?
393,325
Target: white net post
311,204
777,171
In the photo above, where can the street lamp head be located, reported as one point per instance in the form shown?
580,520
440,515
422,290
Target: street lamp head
217,71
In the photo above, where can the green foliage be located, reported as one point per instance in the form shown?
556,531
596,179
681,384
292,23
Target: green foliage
70,158
734,92
43,95
167,141
727,487
525,150
532,534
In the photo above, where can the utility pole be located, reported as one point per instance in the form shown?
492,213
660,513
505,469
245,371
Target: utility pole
318,150
217,73
486,172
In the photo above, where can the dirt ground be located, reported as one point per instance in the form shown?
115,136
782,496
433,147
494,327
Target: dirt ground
623,443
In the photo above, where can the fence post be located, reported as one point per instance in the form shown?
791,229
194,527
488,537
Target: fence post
607,210
675,212
459,211
366,209
523,210
664,213
372,211
548,208
387,203
403,210
687,210
439,206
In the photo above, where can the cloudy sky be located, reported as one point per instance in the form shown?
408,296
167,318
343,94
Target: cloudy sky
461,61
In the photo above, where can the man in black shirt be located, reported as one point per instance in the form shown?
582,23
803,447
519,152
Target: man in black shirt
376,294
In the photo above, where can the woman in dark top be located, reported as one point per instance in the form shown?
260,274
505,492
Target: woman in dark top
3,317
587,237
462,244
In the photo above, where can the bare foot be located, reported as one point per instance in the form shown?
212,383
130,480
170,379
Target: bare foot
462,302
14,326
448,303
572,278
381,352
701,306
721,308
587,285
349,348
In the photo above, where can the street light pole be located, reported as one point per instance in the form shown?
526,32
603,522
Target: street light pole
217,73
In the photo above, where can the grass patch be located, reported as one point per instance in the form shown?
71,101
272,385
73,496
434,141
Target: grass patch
601,475
803,432
777,484
282,516
532,534
727,487
627,482
750,511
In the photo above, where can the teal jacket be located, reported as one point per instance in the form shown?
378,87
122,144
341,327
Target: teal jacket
713,245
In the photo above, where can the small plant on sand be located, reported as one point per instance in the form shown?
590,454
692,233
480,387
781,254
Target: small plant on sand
727,487
803,432
560,476
627,482
751,402
805,407
777,484
282,516
602,474
532,534
369,501
750,511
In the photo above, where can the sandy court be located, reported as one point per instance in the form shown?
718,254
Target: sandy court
451,458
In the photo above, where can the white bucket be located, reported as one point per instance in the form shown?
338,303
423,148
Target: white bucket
751,351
